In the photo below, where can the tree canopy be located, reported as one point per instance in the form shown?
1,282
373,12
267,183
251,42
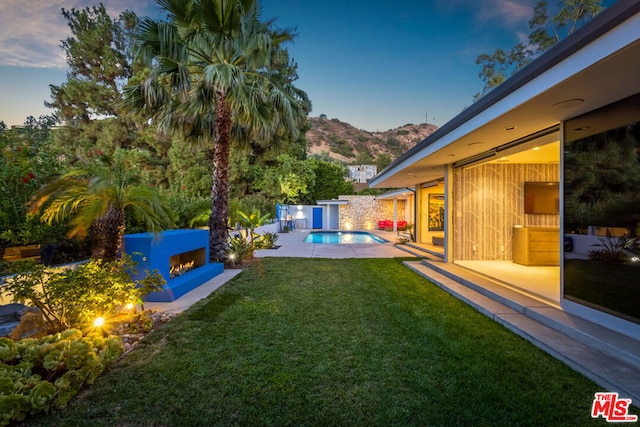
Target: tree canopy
546,31
215,76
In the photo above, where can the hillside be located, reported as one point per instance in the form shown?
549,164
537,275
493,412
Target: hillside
344,142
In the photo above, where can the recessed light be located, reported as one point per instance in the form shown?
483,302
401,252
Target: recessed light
474,143
582,128
536,148
509,128
503,158
568,103
451,155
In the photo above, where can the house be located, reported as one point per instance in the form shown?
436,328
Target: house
540,170
361,174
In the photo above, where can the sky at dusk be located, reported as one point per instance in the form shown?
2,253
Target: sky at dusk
376,64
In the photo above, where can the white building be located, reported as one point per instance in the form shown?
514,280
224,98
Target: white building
362,173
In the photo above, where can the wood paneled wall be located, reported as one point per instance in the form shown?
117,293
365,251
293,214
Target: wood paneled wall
489,201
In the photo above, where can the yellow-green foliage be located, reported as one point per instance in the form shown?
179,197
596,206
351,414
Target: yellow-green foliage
72,298
39,375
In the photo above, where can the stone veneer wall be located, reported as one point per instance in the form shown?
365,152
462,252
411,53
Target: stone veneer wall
489,201
364,212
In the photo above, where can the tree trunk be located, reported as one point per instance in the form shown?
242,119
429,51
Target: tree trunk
107,233
218,231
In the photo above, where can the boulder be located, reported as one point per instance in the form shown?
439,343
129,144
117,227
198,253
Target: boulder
31,325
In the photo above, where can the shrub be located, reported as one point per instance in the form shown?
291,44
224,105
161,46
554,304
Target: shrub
250,222
39,375
267,240
239,250
69,298
610,250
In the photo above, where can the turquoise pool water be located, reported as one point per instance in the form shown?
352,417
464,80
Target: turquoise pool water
342,237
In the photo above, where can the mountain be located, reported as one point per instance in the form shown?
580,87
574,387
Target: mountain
346,143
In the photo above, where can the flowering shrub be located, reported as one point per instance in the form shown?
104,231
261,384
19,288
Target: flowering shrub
39,375
69,298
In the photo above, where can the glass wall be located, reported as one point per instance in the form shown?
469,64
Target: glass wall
602,209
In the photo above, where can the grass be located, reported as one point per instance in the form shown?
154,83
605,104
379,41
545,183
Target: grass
333,342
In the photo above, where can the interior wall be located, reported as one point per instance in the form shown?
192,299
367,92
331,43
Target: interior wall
489,202
426,236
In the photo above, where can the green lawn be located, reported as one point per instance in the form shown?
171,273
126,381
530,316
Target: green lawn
359,342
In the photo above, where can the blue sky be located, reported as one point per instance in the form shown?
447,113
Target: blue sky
376,64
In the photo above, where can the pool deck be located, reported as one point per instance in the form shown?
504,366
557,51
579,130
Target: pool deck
293,245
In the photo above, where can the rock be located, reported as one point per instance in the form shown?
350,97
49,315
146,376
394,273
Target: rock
31,325
11,312
7,327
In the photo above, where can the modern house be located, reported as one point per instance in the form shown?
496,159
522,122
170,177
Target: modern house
522,184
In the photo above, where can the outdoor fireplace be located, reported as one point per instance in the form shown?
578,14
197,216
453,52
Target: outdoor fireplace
180,256
185,262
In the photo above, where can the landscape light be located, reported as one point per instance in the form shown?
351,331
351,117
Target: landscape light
98,322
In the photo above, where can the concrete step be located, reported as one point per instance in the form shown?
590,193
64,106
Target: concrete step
412,251
606,357
419,251
546,312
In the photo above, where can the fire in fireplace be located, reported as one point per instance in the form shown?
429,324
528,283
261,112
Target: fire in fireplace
182,263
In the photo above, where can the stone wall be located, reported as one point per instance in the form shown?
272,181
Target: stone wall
364,212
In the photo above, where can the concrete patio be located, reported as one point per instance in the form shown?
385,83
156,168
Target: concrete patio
292,245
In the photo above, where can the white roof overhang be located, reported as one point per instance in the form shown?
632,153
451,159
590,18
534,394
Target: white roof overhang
594,67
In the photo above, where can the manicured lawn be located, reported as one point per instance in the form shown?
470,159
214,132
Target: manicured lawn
333,342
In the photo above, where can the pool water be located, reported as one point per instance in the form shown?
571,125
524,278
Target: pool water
342,237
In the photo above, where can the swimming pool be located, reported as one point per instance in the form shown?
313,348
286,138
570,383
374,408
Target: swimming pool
342,237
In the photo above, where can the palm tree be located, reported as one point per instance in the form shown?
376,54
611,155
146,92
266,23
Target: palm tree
211,78
96,201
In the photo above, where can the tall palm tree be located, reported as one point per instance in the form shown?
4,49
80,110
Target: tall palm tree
96,203
210,77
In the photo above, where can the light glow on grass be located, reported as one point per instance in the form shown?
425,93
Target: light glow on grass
314,341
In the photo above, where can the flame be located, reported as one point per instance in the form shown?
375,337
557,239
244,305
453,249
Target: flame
178,270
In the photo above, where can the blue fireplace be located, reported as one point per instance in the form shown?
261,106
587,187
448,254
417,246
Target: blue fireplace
180,256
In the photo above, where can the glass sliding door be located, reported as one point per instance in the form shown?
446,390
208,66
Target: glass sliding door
602,209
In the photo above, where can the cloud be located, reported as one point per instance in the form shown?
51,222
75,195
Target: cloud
510,12
32,30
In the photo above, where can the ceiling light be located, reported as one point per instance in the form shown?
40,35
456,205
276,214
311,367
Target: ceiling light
582,128
451,155
474,143
509,128
536,148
